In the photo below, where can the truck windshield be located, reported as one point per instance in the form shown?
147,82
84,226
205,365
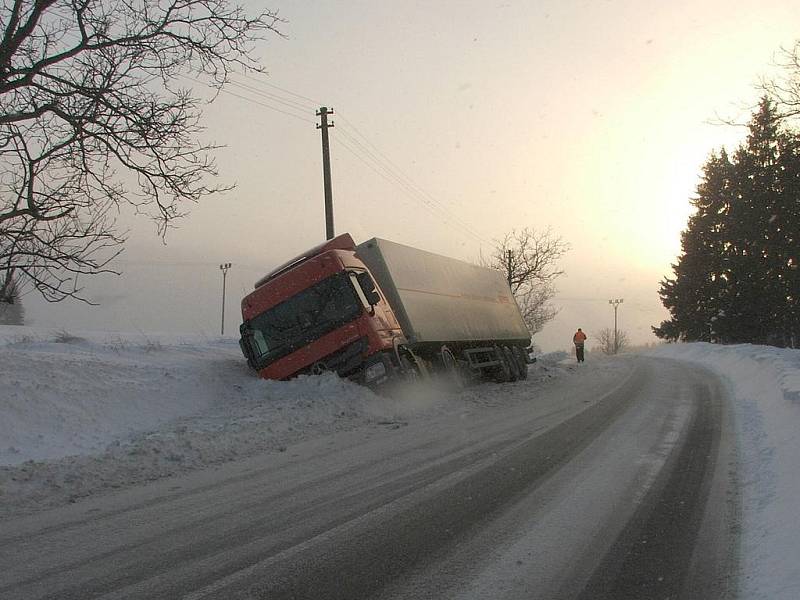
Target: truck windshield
302,319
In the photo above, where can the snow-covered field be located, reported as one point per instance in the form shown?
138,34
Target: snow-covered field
83,413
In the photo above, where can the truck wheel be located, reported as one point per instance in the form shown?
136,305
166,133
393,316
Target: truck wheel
512,363
502,372
409,366
318,368
450,368
519,355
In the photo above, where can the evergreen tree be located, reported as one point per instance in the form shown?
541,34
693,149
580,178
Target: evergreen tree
787,223
737,278
754,302
697,295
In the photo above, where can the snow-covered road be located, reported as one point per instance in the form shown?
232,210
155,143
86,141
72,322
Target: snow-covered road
519,490
110,442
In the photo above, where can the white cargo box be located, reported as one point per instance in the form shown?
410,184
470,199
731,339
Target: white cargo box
439,299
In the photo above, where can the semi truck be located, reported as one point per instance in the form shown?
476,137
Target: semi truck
379,312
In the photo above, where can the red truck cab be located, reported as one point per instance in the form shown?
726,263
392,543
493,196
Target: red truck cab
320,311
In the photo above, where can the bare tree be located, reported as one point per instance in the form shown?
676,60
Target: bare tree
608,344
529,259
11,309
784,89
93,116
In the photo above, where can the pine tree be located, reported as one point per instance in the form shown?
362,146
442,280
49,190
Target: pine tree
787,222
754,303
697,296
737,279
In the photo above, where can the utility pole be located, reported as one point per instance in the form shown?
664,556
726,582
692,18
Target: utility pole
615,303
510,255
224,268
323,113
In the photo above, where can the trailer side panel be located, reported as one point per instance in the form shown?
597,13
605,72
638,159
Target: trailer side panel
441,299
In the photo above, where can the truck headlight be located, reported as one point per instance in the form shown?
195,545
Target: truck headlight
374,372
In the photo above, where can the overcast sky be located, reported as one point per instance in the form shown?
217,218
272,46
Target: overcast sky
455,122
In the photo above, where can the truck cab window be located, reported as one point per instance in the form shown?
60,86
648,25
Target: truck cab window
259,343
304,318
354,279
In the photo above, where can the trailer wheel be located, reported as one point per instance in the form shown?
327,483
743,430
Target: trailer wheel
450,368
513,367
502,373
519,355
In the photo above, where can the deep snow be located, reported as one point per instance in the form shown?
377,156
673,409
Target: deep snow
82,413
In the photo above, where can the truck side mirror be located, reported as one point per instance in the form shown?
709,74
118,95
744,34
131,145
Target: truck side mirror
368,287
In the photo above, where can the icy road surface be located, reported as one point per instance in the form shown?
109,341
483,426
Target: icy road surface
613,483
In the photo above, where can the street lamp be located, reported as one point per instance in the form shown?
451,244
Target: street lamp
615,303
224,268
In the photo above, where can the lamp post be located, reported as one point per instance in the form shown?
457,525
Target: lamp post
224,268
615,303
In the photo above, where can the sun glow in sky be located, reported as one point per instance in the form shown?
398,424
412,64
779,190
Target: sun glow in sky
587,117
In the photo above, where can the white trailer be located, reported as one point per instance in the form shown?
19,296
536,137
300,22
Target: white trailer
454,314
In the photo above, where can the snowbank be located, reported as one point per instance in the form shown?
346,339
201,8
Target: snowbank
84,412
765,385
65,394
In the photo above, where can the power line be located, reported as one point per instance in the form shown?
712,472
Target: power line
273,97
432,209
252,101
312,103
380,159
384,171
355,147
387,175
403,184
265,105
387,164
379,164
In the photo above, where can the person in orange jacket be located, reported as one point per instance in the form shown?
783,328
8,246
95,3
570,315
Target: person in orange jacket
578,339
